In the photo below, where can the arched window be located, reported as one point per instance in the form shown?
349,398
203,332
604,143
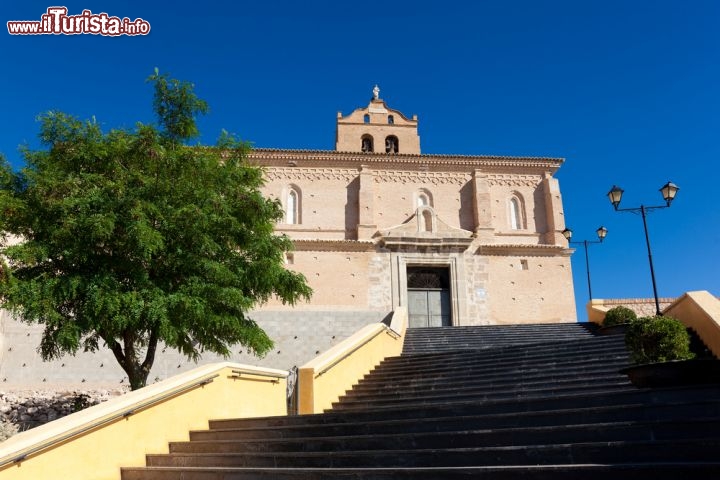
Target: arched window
292,206
423,198
391,119
366,118
391,144
516,213
367,143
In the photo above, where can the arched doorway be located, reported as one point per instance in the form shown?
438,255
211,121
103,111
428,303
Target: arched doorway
428,297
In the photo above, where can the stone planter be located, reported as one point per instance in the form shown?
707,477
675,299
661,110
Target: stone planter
674,373
618,329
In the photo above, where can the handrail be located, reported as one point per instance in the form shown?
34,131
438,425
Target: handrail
93,425
238,372
259,374
385,329
392,333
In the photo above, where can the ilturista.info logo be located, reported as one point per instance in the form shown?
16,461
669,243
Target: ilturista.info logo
56,21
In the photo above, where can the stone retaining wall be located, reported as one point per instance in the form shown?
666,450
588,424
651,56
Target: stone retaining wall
31,408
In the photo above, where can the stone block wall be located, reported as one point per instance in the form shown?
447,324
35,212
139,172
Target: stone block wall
643,307
298,336
27,409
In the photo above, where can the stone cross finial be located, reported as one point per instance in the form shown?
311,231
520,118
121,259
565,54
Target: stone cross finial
376,92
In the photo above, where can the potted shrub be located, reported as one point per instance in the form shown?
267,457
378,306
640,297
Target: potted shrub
657,339
616,320
660,349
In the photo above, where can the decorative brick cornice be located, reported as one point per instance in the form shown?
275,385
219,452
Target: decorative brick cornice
334,246
513,180
317,158
524,249
313,174
434,178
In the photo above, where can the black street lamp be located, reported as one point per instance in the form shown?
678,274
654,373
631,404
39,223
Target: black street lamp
601,233
668,191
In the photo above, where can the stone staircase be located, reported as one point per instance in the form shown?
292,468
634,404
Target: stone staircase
515,402
427,340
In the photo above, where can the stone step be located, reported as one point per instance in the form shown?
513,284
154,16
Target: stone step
517,350
442,339
583,386
482,342
526,374
656,471
617,340
483,364
569,454
225,441
550,329
602,414
574,400
514,384
446,345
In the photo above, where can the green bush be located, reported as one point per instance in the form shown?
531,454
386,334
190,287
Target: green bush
618,315
657,339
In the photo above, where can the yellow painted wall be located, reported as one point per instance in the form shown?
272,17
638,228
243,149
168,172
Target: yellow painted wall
99,454
596,310
322,381
701,312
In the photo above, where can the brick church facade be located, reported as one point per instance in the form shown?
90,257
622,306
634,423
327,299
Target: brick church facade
459,240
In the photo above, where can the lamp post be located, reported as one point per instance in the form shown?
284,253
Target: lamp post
601,233
668,191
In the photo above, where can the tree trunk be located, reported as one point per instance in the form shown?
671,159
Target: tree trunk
128,359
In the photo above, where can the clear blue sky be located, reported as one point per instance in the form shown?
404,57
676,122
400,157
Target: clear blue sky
625,91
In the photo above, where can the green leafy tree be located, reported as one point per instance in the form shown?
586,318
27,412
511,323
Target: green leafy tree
132,237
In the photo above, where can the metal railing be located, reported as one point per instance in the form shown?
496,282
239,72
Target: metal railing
239,372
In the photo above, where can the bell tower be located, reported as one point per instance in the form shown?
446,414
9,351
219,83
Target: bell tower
377,129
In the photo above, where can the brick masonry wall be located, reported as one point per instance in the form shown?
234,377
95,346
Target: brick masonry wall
530,289
339,280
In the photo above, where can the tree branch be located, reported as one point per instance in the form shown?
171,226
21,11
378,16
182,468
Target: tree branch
150,354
